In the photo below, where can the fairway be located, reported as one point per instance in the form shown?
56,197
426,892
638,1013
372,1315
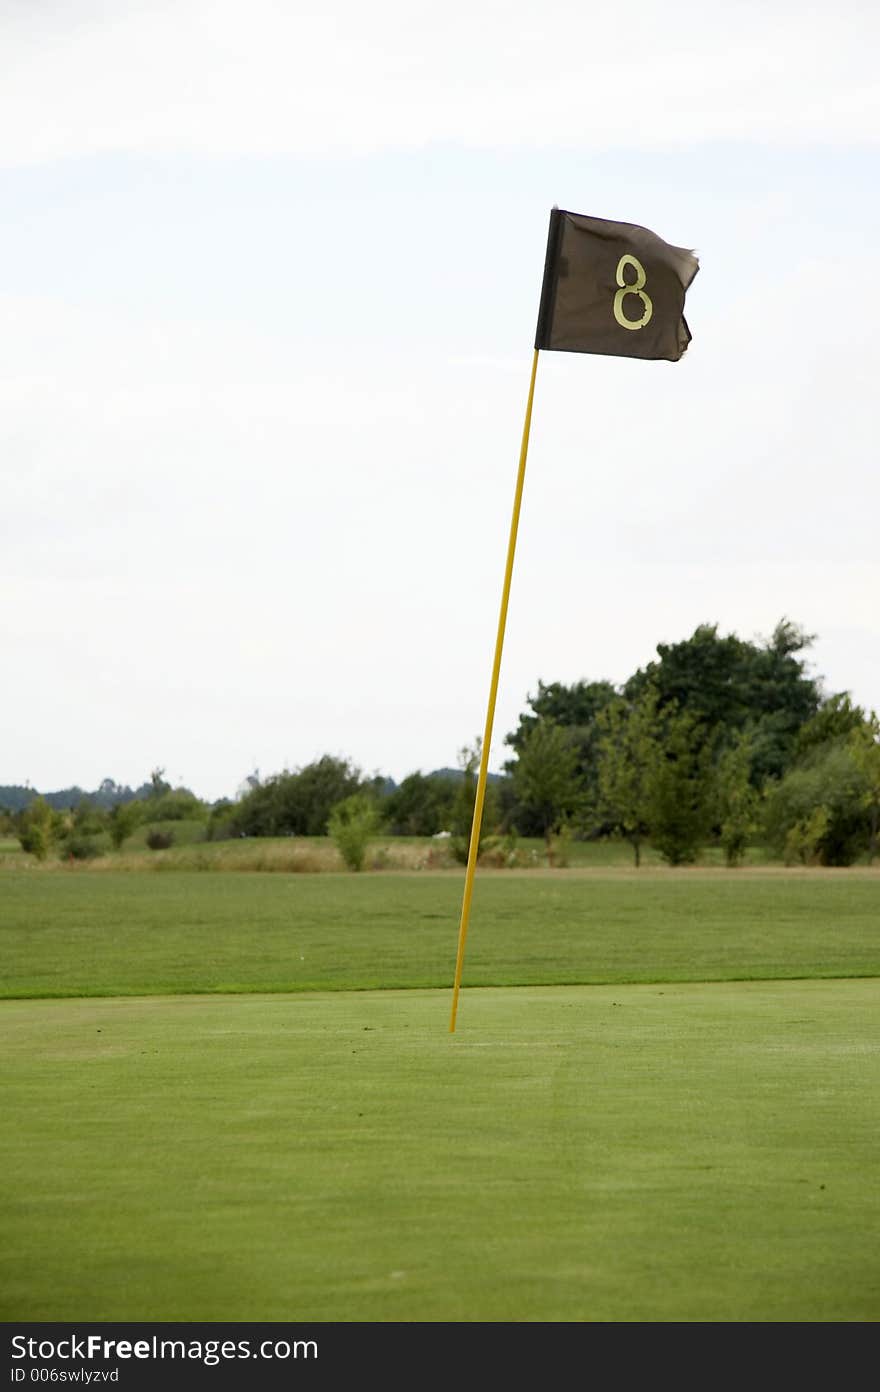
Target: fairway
74,933
638,1153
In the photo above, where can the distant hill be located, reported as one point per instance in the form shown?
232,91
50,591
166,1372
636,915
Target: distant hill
456,774
14,797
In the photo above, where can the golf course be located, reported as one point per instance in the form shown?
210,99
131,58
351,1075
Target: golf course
236,1096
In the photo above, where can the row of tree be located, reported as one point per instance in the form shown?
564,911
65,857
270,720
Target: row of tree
77,831
719,739
15,797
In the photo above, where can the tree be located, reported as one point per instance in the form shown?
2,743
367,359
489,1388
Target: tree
316,790
629,751
781,696
704,674
729,684
574,708
804,837
88,820
122,821
421,805
835,719
545,778
109,793
352,824
37,828
297,804
824,797
864,743
465,801
158,786
220,820
682,788
174,805
738,801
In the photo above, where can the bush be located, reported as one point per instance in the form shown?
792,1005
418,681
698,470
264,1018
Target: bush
174,805
159,840
38,826
122,821
818,812
221,821
488,852
80,848
352,824
560,847
297,804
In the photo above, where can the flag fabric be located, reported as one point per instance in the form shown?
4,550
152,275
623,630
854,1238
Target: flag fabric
613,288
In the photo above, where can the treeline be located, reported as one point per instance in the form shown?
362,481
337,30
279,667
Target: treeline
15,797
79,831
719,740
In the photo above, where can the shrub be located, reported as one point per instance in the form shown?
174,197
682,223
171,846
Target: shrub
174,805
352,824
122,821
818,811
79,847
159,840
802,840
38,827
560,847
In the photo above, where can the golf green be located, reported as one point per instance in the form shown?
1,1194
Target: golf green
650,1152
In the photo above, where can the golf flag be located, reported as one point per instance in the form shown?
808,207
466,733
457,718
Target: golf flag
613,288
609,287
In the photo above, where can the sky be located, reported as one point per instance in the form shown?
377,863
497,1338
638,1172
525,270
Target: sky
268,292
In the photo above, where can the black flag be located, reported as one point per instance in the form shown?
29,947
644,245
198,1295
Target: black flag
614,288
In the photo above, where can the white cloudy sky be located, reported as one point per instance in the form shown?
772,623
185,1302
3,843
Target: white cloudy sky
268,290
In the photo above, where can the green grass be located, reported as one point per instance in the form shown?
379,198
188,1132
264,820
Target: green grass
640,1153
691,1138
83,933
619,854
312,854
12,857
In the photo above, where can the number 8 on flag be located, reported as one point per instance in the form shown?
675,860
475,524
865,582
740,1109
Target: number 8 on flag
613,288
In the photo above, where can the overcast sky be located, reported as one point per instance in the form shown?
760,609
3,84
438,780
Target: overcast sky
268,292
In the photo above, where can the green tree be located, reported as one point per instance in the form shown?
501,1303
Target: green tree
158,786
88,820
465,801
629,751
704,674
546,781
352,824
421,805
174,805
682,788
220,820
835,719
123,818
804,837
864,743
728,684
37,827
825,795
738,801
299,803
574,708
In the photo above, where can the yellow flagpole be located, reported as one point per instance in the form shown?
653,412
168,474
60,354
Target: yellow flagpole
493,693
